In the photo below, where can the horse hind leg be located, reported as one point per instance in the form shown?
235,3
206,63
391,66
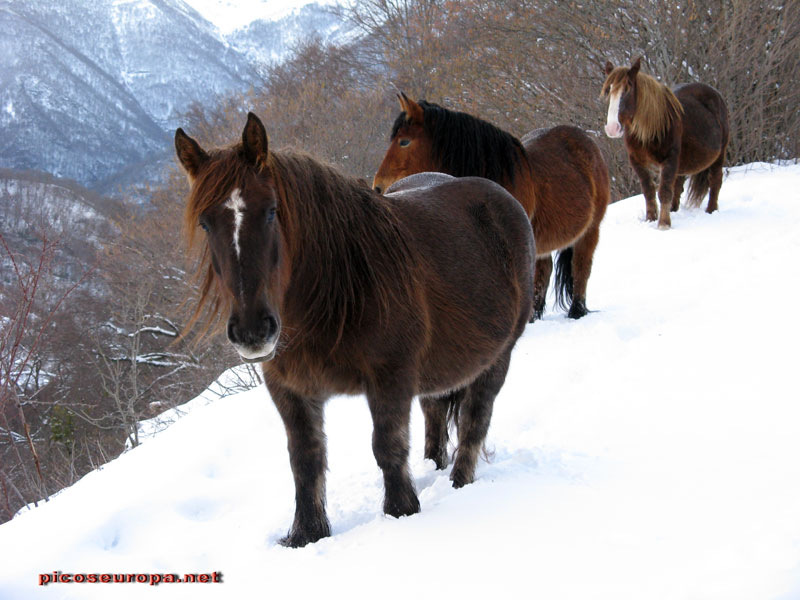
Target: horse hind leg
714,183
582,257
391,412
435,412
680,180
473,418
541,280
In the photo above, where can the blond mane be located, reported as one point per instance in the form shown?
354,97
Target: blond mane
657,108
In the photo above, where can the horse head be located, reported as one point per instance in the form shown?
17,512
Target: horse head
620,89
409,148
234,201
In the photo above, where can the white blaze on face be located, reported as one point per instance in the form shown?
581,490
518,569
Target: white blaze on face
236,204
613,128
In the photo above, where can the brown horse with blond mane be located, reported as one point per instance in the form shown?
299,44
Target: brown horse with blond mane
684,131
558,175
335,289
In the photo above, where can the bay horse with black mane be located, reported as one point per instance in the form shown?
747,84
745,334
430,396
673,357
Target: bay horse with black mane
336,289
683,130
558,175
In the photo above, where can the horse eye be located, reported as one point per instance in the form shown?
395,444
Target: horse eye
204,226
271,215
404,143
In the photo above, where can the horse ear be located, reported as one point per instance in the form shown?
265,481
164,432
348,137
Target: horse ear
414,112
190,154
609,67
634,68
254,140
403,100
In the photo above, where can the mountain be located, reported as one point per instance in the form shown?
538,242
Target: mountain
36,206
646,451
92,88
270,41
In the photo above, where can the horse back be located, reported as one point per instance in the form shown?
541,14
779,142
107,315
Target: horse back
476,252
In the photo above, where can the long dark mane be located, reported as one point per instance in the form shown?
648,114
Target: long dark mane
347,248
466,145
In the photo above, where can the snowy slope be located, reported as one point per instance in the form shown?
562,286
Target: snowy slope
647,451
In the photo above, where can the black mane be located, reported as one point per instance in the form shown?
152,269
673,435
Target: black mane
465,145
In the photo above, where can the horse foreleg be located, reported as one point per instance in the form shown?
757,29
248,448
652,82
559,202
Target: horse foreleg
435,412
303,420
648,189
680,180
542,269
474,416
391,412
669,169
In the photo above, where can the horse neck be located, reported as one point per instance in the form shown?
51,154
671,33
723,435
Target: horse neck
345,248
466,146
657,110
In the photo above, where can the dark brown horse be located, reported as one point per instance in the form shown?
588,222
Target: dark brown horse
684,131
338,290
558,175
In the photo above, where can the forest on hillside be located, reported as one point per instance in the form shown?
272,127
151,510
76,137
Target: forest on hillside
92,307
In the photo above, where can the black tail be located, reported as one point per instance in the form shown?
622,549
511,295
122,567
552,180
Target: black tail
698,188
454,401
563,283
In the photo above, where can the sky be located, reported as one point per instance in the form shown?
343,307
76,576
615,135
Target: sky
647,451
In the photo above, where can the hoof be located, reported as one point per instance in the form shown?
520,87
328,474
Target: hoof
577,310
460,480
306,533
410,506
664,226
439,457
460,477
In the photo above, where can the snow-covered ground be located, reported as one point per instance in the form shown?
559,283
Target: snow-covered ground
650,450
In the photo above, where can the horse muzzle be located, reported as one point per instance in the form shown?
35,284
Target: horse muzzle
614,130
256,340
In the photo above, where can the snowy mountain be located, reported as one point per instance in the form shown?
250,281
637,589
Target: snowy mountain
266,41
36,205
231,15
646,451
89,88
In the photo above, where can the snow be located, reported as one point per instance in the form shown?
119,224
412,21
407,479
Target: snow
230,15
647,451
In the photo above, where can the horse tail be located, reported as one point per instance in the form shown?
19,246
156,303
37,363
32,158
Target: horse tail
563,282
698,188
454,402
